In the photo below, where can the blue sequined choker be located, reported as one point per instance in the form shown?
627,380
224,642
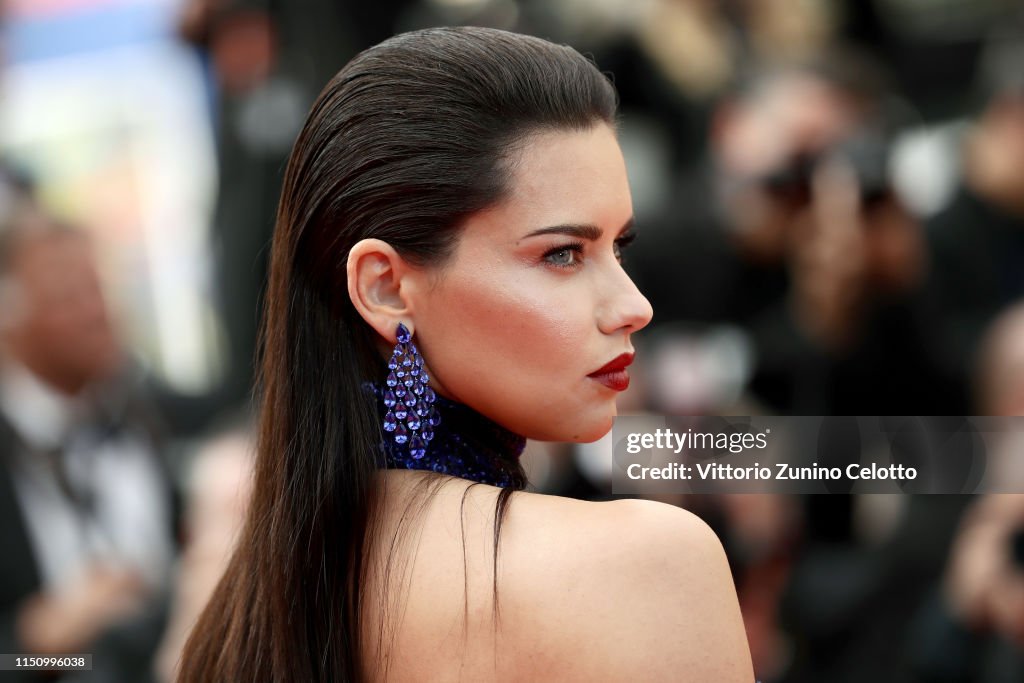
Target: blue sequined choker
465,444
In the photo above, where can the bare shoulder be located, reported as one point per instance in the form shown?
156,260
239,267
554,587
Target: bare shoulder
583,591
630,521
622,534
629,588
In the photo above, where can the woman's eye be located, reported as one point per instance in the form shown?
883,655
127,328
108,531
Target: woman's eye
565,257
623,242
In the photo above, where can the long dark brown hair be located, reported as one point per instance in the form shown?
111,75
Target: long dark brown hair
407,141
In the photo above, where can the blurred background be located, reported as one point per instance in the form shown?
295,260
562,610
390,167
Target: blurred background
830,202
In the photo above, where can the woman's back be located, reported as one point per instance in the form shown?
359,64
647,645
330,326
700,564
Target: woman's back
585,591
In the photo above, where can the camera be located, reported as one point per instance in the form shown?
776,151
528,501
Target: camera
865,153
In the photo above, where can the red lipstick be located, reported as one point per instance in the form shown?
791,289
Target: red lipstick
613,374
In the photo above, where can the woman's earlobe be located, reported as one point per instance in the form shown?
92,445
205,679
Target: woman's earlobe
374,274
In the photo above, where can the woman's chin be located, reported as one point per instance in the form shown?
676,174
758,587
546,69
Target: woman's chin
578,424
593,431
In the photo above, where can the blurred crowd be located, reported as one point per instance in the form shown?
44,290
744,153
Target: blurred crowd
830,206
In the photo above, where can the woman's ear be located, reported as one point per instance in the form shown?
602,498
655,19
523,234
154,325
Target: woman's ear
375,275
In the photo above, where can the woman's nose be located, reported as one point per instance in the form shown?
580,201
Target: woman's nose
624,308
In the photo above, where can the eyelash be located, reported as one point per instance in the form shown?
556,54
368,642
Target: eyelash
577,248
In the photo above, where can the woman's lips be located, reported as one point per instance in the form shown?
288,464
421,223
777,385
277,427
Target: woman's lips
613,374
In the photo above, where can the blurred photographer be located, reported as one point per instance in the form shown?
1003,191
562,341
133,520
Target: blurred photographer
850,241
86,505
976,241
973,629
806,246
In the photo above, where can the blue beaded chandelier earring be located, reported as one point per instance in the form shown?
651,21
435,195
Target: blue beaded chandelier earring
411,415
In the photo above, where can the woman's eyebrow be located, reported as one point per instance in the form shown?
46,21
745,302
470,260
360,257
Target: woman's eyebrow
585,231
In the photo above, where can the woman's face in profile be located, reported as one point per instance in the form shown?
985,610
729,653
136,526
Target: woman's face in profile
534,300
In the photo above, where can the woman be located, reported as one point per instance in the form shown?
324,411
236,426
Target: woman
450,230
